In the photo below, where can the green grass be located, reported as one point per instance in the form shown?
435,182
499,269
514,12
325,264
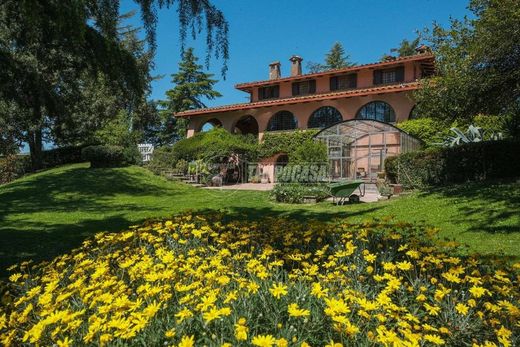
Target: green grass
49,213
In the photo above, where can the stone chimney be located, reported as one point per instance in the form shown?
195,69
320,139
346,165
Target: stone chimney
296,65
274,70
422,49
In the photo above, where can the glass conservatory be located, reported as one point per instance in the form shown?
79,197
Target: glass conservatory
357,148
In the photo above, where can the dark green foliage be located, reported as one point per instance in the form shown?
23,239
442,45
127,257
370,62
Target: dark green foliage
406,48
294,193
110,156
192,87
163,159
309,152
334,59
216,145
13,166
468,162
64,65
477,64
284,142
431,131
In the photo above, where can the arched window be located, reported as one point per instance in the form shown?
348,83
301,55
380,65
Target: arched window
210,124
283,120
377,110
246,125
323,117
414,114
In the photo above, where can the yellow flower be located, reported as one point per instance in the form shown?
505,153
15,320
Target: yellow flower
333,344
187,341
241,330
263,340
318,291
435,339
278,290
305,344
432,310
404,265
15,277
170,333
477,292
462,308
295,311
66,342
282,342
183,314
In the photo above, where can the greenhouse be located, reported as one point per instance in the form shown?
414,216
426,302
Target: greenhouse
357,148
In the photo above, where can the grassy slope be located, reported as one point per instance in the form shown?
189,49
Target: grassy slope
48,213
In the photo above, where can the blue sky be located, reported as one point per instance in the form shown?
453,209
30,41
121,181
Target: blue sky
265,31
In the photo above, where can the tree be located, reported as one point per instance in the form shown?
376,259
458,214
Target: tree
478,65
50,51
405,49
192,87
334,59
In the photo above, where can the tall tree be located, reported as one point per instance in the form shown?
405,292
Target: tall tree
336,58
478,65
192,87
51,49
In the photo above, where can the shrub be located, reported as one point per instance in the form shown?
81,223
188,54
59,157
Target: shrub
309,151
284,142
13,166
163,159
62,155
109,156
204,280
216,145
293,193
429,130
467,162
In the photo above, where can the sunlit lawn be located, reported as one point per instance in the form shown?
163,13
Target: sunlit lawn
49,213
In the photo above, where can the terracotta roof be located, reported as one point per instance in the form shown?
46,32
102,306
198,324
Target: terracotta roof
394,88
427,57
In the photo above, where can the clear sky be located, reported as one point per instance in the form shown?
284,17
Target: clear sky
265,31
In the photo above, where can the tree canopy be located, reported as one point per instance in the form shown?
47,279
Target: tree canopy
55,54
478,65
336,58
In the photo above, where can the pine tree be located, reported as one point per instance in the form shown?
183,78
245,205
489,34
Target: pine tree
335,59
192,87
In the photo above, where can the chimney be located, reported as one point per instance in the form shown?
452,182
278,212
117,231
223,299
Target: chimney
296,65
274,70
422,49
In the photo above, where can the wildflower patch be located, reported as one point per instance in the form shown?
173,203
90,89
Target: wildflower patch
196,280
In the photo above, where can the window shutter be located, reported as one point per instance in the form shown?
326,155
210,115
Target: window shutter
295,89
260,93
399,74
312,86
378,76
352,80
276,91
334,83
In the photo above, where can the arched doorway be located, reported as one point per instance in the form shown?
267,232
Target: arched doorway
246,125
210,124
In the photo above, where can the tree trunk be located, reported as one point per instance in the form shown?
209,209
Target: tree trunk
36,147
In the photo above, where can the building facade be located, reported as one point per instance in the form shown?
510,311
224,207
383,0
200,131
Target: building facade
379,91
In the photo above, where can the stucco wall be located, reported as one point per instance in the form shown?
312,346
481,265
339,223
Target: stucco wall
402,103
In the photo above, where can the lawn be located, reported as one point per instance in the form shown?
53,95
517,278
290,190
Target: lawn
49,213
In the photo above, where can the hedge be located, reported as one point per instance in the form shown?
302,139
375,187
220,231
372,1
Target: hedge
15,166
286,142
110,156
445,165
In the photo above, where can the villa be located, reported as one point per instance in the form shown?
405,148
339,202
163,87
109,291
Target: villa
365,101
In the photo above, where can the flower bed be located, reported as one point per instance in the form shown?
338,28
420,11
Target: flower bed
194,280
